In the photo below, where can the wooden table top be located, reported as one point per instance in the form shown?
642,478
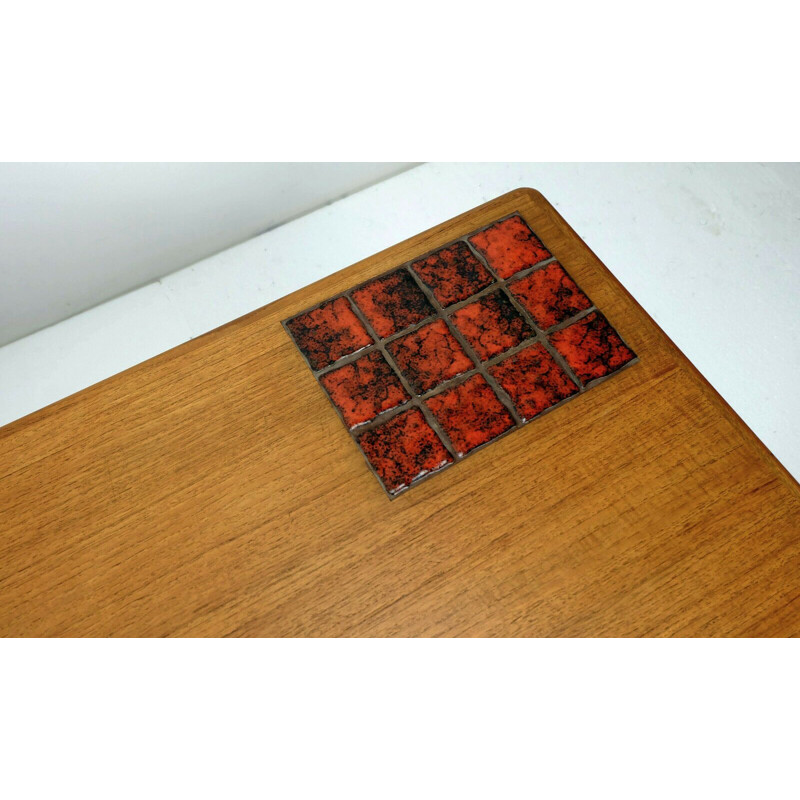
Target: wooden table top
214,491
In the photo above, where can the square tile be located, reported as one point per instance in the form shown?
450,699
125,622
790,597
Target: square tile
509,246
470,414
591,347
392,303
329,332
364,388
453,273
492,325
429,356
533,380
403,450
549,295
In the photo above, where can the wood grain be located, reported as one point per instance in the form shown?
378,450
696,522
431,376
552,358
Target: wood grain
212,491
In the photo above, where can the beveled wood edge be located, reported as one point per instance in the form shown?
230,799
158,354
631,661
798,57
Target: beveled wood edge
325,287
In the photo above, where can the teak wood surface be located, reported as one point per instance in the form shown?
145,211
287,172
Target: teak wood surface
213,491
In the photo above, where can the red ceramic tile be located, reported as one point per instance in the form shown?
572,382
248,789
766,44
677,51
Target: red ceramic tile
591,347
470,414
403,450
492,325
429,356
509,246
533,380
550,295
453,274
392,303
364,388
328,332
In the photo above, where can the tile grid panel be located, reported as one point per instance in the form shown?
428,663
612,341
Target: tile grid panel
481,367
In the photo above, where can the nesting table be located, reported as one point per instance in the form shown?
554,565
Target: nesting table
477,432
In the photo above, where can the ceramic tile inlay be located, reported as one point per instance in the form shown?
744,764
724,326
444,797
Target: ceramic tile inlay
470,414
533,380
364,388
429,356
550,295
446,353
403,450
510,246
392,303
492,325
328,332
591,347
453,273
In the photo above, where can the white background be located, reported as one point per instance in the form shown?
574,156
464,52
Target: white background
711,251
75,235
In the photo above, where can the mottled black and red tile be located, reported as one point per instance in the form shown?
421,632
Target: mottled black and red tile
470,414
492,325
549,295
403,450
591,347
533,380
510,246
453,273
429,356
364,388
329,332
392,303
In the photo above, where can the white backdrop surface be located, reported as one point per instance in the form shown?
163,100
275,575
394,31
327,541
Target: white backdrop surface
75,235
711,251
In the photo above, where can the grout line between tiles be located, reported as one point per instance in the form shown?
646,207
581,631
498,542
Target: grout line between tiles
540,334
414,402
468,349
575,318
547,344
